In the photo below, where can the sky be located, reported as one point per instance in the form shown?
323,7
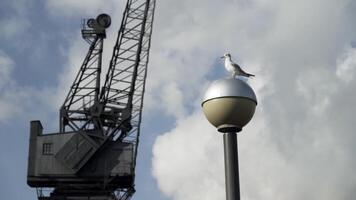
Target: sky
300,144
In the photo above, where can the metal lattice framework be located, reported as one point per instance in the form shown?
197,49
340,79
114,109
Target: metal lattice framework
125,81
112,111
83,93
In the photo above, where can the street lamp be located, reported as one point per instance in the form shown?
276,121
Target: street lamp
229,104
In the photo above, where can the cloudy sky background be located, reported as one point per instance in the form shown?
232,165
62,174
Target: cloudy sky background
301,143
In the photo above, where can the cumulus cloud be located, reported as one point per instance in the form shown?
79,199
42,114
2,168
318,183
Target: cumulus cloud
17,22
16,99
190,171
300,143
347,65
172,98
68,8
13,26
6,65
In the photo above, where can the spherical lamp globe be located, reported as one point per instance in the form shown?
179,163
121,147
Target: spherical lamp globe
229,104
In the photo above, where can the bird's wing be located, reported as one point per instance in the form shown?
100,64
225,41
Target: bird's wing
241,70
236,66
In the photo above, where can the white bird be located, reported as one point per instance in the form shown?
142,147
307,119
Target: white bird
234,68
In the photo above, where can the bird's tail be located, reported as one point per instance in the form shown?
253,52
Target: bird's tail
250,75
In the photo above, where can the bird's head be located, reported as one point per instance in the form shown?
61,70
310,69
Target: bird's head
226,55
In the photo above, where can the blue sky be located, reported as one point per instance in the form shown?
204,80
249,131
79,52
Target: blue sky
300,144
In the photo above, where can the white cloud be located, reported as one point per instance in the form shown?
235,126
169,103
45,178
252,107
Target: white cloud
6,67
7,107
300,144
17,100
17,22
189,171
172,98
347,65
68,8
14,26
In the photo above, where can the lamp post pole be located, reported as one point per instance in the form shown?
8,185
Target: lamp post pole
229,104
232,182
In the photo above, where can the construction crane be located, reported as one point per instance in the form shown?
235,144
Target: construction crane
93,156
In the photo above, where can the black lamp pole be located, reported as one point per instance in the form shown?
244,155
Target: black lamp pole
231,166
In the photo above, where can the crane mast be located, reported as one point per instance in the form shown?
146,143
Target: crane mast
94,154
76,110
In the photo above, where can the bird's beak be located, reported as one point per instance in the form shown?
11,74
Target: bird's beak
222,57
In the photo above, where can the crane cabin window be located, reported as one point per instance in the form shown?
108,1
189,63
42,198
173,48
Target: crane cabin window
47,149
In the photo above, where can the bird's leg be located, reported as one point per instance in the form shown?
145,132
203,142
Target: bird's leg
233,75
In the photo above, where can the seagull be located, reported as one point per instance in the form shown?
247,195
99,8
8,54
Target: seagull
234,68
